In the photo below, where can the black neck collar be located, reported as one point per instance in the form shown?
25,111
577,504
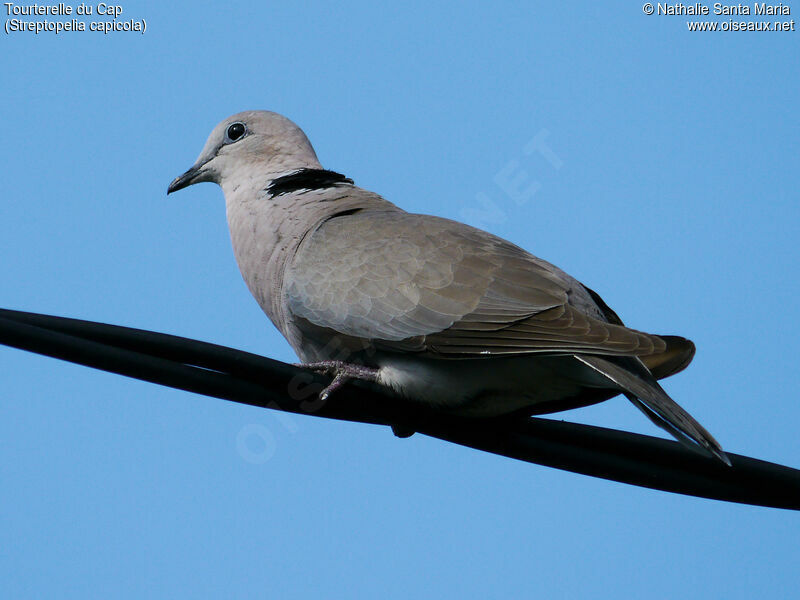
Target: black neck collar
306,179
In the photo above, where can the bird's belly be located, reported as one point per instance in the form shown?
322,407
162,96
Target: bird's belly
485,387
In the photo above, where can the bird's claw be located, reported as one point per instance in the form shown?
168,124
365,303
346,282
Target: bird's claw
342,373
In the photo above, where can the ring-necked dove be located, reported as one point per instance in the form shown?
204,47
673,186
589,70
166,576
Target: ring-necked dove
438,311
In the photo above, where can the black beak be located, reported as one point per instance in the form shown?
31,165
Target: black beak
191,176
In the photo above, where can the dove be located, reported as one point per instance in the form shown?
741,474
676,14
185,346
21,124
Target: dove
436,311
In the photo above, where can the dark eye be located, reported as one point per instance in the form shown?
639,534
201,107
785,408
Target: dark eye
235,131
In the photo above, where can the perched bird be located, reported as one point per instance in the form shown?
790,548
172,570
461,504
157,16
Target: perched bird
437,311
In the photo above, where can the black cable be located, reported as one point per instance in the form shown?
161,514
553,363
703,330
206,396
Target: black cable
247,378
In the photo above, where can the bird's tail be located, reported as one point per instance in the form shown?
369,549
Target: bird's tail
642,389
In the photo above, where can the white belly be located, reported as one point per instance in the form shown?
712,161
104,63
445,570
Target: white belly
486,387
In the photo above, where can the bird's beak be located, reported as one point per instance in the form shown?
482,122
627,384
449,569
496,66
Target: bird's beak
195,174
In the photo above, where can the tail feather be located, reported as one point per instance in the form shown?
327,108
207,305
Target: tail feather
642,389
676,357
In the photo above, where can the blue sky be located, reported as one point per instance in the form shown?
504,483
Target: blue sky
670,188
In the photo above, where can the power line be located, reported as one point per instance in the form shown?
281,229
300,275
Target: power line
248,378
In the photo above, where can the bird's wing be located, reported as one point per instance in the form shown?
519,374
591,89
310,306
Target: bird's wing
419,283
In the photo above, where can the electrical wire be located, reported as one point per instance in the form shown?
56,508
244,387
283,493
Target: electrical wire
247,378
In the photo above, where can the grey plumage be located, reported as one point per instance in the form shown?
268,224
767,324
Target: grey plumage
444,313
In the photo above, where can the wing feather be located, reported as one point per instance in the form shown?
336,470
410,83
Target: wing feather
425,284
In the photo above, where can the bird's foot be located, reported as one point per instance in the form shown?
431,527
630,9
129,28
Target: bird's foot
342,373
402,431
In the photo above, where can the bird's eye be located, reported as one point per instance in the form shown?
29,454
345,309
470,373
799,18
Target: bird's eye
235,131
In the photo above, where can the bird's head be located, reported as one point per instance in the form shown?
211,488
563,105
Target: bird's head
247,145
